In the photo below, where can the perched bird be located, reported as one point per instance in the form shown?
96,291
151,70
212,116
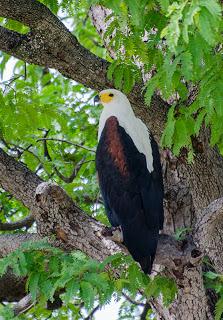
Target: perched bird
130,176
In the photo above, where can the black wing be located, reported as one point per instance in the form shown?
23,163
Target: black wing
132,195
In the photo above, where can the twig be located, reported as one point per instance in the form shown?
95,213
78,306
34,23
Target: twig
68,142
145,311
90,316
73,175
21,150
136,303
26,222
23,305
76,168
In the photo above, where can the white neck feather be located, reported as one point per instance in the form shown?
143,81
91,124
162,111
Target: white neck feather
133,126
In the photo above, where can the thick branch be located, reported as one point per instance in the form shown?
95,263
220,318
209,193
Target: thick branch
16,178
9,39
50,44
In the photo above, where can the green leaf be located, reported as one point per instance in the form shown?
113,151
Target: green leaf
87,294
32,284
4,264
205,27
181,136
211,275
187,65
167,136
190,15
72,289
111,70
219,309
199,121
212,6
164,4
152,85
118,76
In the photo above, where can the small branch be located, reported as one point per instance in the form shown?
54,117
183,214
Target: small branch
73,175
68,142
26,222
91,314
20,150
23,305
76,168
136,303
145,311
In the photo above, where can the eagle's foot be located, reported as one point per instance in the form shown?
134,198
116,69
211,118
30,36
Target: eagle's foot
113,233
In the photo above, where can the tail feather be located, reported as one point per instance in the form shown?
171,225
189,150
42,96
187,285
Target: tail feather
146,264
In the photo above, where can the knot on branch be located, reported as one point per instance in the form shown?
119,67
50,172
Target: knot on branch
54,210
50,191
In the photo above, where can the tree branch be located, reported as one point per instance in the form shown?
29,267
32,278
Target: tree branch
68,142
11,242
145,311
9,39
16,178
26,222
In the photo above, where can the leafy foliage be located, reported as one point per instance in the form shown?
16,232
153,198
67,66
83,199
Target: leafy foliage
181,41
215,282
78,279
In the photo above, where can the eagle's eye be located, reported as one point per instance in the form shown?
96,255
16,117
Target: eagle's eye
111,95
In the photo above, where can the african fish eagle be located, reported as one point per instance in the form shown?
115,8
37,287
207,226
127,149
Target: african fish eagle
130,176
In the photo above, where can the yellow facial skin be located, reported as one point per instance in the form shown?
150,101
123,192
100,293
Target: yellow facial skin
105,97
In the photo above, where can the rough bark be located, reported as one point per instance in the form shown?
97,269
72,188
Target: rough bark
189,189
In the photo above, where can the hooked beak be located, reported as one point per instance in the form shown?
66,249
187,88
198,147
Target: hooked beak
96,99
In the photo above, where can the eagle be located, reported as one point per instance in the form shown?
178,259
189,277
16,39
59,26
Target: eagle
130,176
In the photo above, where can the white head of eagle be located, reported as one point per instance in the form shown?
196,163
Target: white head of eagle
130,176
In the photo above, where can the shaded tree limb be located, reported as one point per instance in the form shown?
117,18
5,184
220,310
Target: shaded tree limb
27,222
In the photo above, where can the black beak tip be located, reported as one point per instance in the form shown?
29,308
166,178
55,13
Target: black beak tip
96,99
